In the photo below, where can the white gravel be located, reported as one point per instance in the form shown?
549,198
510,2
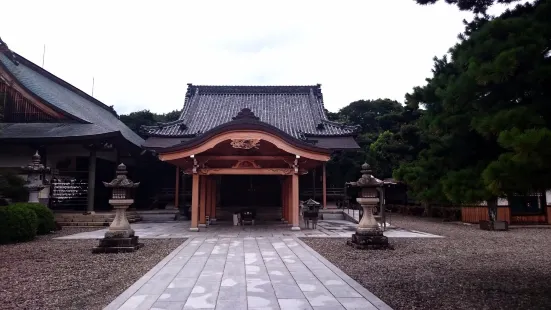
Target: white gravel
468,269
64,274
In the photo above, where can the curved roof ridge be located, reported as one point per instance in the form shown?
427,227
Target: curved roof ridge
247,122
252,89
293,109
163,124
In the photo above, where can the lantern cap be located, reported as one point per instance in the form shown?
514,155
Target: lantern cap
311,202
35,166
367,179
121,181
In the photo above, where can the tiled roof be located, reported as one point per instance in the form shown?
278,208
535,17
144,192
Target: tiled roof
15,131
296,110
65,97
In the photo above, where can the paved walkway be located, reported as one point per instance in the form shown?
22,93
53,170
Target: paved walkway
246,273
327,228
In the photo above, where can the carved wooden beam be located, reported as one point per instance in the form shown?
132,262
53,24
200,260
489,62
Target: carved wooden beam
237,157
245,171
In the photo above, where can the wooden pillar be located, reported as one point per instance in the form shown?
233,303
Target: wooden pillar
284,199
294,202
314,183
282,182
289,198
91,181
324,188
177,188
214,200
195,203
183,202
202,200
208,196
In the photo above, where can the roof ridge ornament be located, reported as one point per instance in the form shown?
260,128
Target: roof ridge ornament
9,53
246,113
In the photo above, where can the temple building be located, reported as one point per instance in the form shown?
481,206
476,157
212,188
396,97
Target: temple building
253,147
78,136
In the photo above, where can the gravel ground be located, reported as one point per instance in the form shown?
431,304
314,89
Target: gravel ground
64,274
469,269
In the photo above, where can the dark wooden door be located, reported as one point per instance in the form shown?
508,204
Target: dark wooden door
250,191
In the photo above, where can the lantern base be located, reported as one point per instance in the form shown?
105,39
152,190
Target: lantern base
117,245
127,233
369,240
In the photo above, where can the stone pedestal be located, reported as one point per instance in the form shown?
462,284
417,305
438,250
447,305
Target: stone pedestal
368,234
120,236
33,194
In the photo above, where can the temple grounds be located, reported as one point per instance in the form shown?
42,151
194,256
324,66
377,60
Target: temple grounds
467,269
434,265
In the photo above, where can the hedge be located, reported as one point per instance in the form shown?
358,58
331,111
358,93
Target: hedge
17,224
46,221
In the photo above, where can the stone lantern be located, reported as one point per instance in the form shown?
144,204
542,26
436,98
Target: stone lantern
311,212
368,233
34,170
119,236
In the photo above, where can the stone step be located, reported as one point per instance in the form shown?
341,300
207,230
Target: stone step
96,223
109,220
88,224
97,219
262,213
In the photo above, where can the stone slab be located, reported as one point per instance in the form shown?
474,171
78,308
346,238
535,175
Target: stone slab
273,273
179,229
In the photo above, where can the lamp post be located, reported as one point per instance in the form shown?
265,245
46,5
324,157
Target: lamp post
311,212
119,236
34,170
368,233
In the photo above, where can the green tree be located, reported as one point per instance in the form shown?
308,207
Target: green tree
477,6
373,116
389,136
137,119
487,114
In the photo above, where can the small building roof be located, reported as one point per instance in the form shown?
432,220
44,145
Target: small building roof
63,97
296,110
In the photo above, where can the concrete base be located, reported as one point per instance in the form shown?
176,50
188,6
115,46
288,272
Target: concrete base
193,229
296,228
117,245
497,225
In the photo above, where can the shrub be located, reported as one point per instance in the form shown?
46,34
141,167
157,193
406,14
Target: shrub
12,186
46,222
17,224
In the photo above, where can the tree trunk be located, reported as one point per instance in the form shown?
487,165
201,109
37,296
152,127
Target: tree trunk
492,209
426,209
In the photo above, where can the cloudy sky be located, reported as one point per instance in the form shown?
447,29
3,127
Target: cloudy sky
142,54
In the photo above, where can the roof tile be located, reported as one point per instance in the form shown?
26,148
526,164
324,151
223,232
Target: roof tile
296,110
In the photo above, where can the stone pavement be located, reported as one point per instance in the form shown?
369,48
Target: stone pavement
327,228
246,273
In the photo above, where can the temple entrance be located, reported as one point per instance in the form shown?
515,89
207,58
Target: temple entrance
259,193
244,164
250,191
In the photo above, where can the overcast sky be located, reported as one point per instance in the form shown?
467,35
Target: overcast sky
142,54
